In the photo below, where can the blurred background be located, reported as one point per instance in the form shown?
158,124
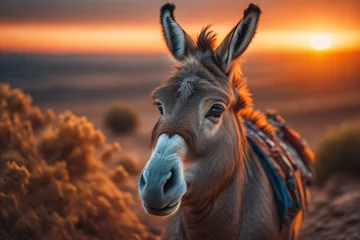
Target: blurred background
97,58
88,55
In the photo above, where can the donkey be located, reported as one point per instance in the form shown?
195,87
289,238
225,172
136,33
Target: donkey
202,171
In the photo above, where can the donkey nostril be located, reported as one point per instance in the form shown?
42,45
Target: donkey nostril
142,181
170,182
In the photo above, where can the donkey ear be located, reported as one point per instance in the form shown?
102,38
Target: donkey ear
177,40
236,42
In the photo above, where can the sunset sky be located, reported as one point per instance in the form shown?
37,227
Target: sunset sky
132,26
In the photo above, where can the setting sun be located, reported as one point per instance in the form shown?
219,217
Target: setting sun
320,42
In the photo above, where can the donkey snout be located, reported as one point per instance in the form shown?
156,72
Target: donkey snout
161,183
161,191
153,192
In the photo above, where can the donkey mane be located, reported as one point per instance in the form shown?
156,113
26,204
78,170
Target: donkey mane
206,40
259,120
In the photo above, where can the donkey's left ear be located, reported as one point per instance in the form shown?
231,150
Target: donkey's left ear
178,41
236,42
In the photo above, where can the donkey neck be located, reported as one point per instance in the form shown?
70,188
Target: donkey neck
219,218
244,209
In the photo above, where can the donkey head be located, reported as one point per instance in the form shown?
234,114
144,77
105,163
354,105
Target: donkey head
197,140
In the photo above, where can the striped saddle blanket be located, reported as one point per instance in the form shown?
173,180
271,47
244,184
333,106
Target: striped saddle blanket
287,161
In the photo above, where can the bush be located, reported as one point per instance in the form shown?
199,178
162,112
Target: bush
53,185
121,120
338,152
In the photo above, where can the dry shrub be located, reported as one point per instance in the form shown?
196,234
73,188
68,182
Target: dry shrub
339,152
17,106
121,120
55,185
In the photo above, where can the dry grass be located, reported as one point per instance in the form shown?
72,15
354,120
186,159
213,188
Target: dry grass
338,152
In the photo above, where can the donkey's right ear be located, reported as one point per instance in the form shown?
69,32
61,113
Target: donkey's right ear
236,42
177,40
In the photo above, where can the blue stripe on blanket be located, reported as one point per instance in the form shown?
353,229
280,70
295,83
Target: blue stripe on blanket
282,197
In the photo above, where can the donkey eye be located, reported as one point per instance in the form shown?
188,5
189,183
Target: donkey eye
215,111
160,107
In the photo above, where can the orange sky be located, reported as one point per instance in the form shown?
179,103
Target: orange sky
126,27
